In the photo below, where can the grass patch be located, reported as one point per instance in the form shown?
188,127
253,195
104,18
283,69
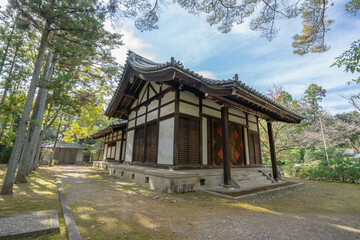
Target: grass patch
37,195
256,190
321,197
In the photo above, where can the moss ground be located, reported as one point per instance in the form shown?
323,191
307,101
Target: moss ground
37,195
105,207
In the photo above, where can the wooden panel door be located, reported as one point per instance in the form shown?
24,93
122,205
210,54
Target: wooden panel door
236,144
151,142
189,141
139,144
254,148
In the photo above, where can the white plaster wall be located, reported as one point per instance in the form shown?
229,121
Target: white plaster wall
246,140
118,146
237,112
140,120
142,93
105,152
189,109
154,104
211,112
131,123
79,156
189,96
251,117
132,114
237,119
119,136
141,110
253,126
123,151
134,104
204,141
166,142
129,145
153,115
168,97
156,87
168,109
211,103
112,152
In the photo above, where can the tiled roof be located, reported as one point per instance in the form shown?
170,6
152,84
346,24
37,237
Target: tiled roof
63,145
144,65
120,124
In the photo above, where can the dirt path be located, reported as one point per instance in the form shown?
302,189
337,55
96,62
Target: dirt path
108,208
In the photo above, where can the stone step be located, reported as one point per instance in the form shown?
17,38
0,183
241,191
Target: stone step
252,184
250,179
245,175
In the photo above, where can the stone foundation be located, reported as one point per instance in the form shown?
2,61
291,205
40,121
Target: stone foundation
170,181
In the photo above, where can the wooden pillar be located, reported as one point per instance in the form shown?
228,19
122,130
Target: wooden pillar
226,150
272,152
121,145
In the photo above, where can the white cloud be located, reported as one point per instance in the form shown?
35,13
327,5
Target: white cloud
207,74
130,41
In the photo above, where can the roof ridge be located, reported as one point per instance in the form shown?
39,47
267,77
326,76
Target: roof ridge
141,63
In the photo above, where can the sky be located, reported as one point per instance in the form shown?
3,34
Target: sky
259,63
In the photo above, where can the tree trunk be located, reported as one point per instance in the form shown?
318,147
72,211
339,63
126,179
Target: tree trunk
7,48
43,132
34,129
6,88
8,80
55,142
8,183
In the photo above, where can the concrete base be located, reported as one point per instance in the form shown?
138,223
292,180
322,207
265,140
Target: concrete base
172,181
33,224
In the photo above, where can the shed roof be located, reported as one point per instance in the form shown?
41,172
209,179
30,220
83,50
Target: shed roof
233,92
63,145
113,127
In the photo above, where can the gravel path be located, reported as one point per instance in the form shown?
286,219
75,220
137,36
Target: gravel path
198,216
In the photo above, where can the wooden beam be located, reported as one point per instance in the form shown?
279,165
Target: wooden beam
272,152
130,95
121,145
161,94
122,111
226,150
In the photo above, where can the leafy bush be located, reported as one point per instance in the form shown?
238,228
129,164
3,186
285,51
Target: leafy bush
337,168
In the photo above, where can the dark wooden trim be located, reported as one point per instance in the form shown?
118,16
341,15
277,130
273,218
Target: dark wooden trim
158,122
152,89
121,146
226,151
237,115
176,129
204,105
161,94
130,95
272,152
201,132
189,116
167,103
209,141
190,103
146,90
161,119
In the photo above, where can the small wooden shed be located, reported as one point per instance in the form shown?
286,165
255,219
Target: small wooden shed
64,153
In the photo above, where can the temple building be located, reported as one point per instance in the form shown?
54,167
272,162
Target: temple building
181,132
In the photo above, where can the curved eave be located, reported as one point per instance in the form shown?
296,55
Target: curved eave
234,92
107,130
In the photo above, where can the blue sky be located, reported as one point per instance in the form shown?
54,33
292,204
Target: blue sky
258,62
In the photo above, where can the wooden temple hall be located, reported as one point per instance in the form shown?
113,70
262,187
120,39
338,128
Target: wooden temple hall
181,132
